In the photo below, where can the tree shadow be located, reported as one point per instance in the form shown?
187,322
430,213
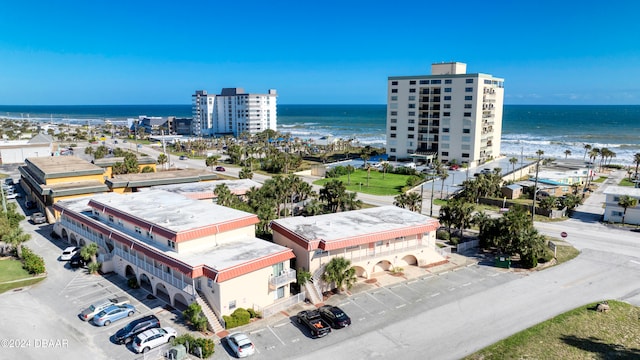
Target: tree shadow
601,349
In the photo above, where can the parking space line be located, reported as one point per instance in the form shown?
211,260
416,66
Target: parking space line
374,298
274,334
434,295
400,306
344,303
256,331
466,284
399,297
496,274
411,289
279,325
69,283
411,282
452,288
358,305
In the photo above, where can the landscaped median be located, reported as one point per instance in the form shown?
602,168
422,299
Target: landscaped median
13,275
582,333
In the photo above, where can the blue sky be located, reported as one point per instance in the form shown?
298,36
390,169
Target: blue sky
328,52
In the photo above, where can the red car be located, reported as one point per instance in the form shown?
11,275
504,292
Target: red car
454,167
219,168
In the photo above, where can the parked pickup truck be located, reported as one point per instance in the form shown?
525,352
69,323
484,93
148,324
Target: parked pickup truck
314,322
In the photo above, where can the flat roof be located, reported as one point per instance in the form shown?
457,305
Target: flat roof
63,166
622,190
356,223
204,190
160,178
168,210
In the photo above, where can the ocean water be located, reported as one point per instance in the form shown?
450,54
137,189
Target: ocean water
525,128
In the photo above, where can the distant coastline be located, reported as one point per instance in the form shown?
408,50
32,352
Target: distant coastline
526,128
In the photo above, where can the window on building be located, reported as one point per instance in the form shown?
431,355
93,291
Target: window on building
392,150
446,106
424,82
467,114
436,81
447,97
149,235
412,106
466,139
394,98
469,89
468,97
232,304
412,98
411,128
138,230
410,136
412,121
468,106
445,130
465,155
465,147
394,113
447,90
110,218
394,91
394,120
617,213
412,90
411,113
171,244
466,131
280,292
445,138
469,81
447,81
412,82
392,135
445,153
446,113
394,83
444,145
393,128
210,282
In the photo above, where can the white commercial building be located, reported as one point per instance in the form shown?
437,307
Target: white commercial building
613,212
450,115
233,112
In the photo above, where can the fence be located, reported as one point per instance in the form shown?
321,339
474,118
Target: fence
281,305
464,246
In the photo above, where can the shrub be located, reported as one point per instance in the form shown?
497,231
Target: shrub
238,318
193,315
133,283
546,256
442,235
454,240
206,345
31,262
529,261
254,314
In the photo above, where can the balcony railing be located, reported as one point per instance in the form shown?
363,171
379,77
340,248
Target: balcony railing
381,251
159,273
284,278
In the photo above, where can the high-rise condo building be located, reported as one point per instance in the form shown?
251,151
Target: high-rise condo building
450,115
233,112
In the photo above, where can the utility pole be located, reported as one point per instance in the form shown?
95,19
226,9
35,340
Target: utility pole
433,181
535,186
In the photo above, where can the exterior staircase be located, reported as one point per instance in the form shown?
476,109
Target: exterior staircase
313,291
213,323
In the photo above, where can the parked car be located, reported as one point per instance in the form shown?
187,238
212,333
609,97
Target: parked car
129,332
150,339
30,204
314,322
240,344
77,261
335,316
220,168
113,313
13,195
98,306
9,181
454,167
38,218
69,252
184,157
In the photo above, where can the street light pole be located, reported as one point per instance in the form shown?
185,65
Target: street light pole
433,181
535,186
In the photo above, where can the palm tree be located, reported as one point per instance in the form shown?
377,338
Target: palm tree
16,238
636,160
162,159
224,195
350,169
587,147
339,272
513,161
625,202
90,252
567,153
212,161
443,176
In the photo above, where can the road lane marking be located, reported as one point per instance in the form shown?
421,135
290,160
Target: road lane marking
434,295
400,306
466,284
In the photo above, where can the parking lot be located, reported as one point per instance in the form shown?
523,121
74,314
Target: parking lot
371,310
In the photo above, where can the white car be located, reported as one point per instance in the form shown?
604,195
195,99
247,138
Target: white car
240,344
153,338
68,253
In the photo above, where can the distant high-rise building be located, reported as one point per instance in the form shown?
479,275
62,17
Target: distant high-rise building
233,112
449,115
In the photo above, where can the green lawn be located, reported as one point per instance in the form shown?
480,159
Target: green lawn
601,179
627,182
11,269
392,184
581,333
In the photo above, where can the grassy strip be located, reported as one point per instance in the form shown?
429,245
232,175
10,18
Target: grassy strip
627,182
581,333
19,284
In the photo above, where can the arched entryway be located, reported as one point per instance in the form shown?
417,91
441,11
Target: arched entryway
162,292
383,265
82,243
408,260
180,302
361,272
73,240
65,235
145,283
129,273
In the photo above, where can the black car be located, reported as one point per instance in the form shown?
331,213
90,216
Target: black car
129,332
335,316
77,261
